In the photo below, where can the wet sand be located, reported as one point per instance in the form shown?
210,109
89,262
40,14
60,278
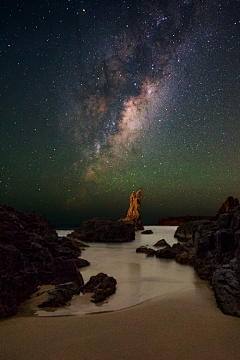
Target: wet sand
185,326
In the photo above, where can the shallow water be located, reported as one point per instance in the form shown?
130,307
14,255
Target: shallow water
139,278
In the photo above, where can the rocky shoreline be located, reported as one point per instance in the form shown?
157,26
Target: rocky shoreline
32,255
213,249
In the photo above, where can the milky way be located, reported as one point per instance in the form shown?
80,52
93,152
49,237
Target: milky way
99,98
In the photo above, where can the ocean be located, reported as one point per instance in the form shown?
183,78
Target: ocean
139,278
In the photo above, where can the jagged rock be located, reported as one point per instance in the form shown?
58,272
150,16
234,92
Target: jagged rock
183,254
167,253
203,236
161,242
205,265
31,255
225,283
134,211
229,203
193,231
185,231
217,258
147,232
225,220
61,295
146,250
101,285
186,255
103,229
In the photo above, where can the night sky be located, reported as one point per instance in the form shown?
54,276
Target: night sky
101,98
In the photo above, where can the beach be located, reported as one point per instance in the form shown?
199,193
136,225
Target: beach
185,326
161,310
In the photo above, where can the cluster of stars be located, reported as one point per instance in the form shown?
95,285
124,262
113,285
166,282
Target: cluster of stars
98,97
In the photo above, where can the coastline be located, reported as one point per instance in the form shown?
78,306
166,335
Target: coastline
185,326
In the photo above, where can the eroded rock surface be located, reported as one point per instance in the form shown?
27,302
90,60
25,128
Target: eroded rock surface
229,204
213,248
134,211
31,255
217,257
101,285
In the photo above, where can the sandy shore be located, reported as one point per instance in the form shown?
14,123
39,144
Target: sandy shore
186,326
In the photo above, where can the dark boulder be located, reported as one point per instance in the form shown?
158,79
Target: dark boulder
167,253
183,254
147,232
185,231
161,242
103,229
66,271
101,285
31,254
146,250
226,287
217,254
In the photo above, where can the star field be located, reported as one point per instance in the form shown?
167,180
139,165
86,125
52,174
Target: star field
100,98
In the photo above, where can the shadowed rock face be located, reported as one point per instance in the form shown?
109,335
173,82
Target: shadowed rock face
103,229
134,211
217,256
31,255
229,204
101,285
213,249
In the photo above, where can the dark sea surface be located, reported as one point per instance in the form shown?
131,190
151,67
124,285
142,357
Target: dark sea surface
139,278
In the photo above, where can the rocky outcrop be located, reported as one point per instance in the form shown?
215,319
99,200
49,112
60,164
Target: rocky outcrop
101,285
217,258
31,255
185,231
146,250
213,249
103,229
229,204
183,254
134,211
161,242
64,290
147,232
198,233
226,286
179,220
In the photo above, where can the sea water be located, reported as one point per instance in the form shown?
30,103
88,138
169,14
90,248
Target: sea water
139,278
